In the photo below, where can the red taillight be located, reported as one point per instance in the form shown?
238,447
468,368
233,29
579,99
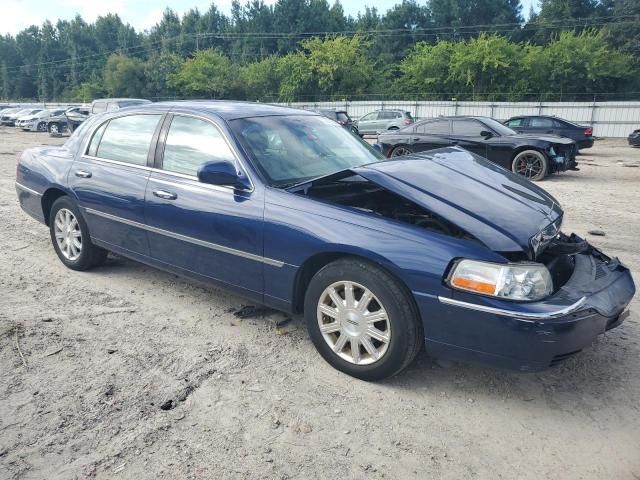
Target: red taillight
341,122
407,121
588,131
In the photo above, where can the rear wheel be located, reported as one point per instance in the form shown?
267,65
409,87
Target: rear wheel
70,237
362,320
401,150
530,164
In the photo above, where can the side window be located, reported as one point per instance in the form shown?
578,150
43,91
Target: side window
438,127
99,107
516,122
92,151
370,117
541,122
112,107
127,139
387,115
192,142
468,128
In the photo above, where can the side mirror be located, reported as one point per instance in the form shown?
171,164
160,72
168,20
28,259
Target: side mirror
222,173
486,134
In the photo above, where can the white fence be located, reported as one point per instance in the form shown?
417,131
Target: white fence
608,119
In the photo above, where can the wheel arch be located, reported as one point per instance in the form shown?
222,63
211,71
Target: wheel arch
50,195
316,262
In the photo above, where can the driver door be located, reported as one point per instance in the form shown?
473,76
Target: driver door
195,228
466,134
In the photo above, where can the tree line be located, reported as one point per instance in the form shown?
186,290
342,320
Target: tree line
309,50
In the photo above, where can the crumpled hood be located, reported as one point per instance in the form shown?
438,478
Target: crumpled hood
502,210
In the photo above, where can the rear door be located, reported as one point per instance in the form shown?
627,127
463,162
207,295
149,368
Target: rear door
110,180
541,125
431,134
208,230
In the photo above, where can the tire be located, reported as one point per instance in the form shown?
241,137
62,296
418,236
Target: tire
80,254
530,164
54,129
398,334
393,128
401,150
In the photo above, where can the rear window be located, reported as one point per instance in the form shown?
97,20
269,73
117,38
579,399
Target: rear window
127,139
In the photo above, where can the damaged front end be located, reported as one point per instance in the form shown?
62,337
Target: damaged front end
563,157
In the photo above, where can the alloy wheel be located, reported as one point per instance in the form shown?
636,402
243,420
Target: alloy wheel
529,165
354,323
400,151
68,234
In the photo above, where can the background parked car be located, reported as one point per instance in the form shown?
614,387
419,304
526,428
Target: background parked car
67,120
38,121
582,134
340,116
634,138
6,114
102,105
533,156
9,119
381,120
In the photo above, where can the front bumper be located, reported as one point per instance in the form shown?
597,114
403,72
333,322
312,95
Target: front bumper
533,336
634,140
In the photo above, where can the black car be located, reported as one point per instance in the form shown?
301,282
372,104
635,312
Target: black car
68,121
542,124
533,156
634,138
340,116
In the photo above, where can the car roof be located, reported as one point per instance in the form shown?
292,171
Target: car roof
227,109
121,100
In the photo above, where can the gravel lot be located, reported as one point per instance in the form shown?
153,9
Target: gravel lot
104,350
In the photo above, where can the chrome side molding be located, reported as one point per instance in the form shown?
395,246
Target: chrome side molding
514,313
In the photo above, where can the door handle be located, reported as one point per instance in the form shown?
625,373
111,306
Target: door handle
83,174
164,194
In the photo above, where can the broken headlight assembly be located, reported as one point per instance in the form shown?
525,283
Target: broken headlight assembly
522,281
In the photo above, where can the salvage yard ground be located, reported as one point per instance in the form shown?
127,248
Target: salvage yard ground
128,372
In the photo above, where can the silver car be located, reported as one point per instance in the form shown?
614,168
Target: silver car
381,120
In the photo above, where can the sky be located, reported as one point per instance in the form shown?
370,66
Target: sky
141,14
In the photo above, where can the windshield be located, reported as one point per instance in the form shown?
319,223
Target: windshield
292,149
43,113
498,127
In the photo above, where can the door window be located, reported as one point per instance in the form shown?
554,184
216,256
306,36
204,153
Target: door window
99,107
438,127
369,117
541,122
468,128
127,139
515,123
192,142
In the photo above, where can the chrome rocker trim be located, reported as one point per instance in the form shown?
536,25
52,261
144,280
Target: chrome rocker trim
195,241
513,313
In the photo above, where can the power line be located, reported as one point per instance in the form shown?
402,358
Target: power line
424,32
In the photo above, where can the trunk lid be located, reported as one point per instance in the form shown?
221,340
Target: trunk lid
502,210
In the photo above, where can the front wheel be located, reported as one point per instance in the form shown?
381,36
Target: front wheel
54,129
530,164
70,237
362,320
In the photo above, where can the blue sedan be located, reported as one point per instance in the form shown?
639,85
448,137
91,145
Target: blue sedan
441,249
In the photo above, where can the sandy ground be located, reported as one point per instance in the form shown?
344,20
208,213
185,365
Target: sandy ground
104,350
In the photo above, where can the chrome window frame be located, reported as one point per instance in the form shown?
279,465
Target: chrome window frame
238,159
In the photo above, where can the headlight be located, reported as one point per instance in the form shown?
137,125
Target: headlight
527,281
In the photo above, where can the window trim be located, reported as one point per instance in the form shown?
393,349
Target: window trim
150,151
433,120
159,152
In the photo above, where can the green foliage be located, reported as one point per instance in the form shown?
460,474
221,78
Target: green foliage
124,76
208,73
262,51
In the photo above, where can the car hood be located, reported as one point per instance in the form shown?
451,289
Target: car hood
502,210
546,137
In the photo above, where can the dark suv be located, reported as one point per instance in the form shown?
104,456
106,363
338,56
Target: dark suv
542,124
340,116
